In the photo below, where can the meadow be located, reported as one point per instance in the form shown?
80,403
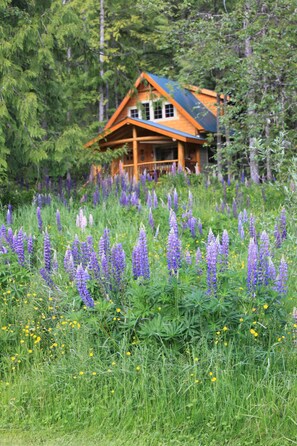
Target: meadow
150,313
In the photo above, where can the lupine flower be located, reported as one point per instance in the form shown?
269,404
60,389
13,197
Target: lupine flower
200,227
39,219
58,220
283,224
69,263
94,265
104,245
173,221
282,278
198,261
30,245
149,200
271,271
264,255
240,229
211,261
46,277
85,254
210,237
75,248
144,261
252,227
96,197
252,276
173,252
245,218
225,248
192,225
188,258
81,220
175,200
47,252
105,266
234,208
81,279
9,237
9,217
3,232
124,199
151,219
118,261
19,247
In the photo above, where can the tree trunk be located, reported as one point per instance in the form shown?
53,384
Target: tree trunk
101,62
227,135
254,168
219,139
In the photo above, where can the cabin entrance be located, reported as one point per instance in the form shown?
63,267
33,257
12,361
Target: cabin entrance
166,153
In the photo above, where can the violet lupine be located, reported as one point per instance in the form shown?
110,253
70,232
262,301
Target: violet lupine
225,249
283,224
211,262
124,201
192,222
264,254
282,278
85,254
173,221
210,237
200,229
9,217
134,200
9,237
151,219
46,277
90,243
94,265
105,268
149,200
188,258
69,263
118,261
47,252
136,270
271,272
81,279
198,261
75,249
96,197
252,227
277,236
58,220
104,245
173,252
144,260
175,200
245,218
30,245
39,218
252,266
19,247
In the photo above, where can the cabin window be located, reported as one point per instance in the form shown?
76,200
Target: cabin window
146,111
134,113
169,111
158,112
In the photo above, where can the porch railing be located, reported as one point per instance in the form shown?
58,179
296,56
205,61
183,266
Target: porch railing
160,167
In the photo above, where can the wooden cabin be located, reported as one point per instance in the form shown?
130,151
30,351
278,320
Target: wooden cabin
161,123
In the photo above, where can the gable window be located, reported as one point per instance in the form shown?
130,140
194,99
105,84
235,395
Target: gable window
134,113
146,111
158,112
169,111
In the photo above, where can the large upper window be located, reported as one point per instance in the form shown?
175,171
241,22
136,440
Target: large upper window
153,110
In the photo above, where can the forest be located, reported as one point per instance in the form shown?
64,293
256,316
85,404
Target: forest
66,66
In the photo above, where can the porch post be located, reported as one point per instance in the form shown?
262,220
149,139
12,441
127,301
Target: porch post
135,153
181,153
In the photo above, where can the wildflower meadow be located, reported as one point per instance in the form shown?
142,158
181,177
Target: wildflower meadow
158,312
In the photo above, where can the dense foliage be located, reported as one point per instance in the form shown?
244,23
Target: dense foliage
151,304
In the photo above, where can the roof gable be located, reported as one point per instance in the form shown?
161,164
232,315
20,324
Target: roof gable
183,99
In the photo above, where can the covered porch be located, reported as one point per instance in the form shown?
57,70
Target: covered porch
152,147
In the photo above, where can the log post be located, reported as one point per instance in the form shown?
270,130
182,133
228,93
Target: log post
181,154
135,153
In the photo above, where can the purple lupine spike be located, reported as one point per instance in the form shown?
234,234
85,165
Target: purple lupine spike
46,277
105,267
136,262
200,229
252,227
240,229
210,237
169,201
75,249
283,224
149,200
173,222
271,271
225,248
173,252
19,247
134,200
188,258
282,278
90,243
242,177
9,217
245,218
175,200
192,222
9,237
47,252
96,197
104,245
39,218
3,232
198,261
85,254
81,279
155,200
58,220
124,199
144,260
252,271
151,219
14,242
211,261
118,260
173,169
277,236
264,254
69,263
94,265
30,245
